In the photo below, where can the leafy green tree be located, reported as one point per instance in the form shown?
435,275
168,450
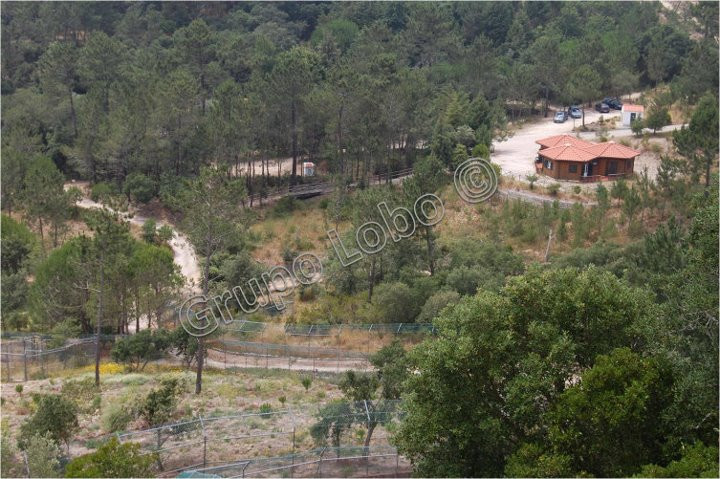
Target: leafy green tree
100,65
584,85
610,423
44,194
657,117
699,142
212,216
160,404
435,304
396,303
113,459
502,360
17,244
138,349
55,416
293,75
637,127
149,230
697,460
58,71
195,44
334,420
139,187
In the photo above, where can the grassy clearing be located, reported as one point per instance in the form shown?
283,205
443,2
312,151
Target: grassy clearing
224,393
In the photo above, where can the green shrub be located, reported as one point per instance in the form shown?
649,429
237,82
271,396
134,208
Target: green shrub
101,191
82,392
436,303
113,460
284,206
43,456
306,382
308,292
265,410
531,179
136,350
8,460
554,189
577,190
149,230
54,415
159,405
19,388
117,416
164,233
396,303
139,187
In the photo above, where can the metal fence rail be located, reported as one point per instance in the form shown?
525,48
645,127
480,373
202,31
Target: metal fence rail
207,441
326,329
348,461
29,358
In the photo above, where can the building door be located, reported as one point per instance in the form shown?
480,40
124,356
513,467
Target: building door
632,117
588,169
612,168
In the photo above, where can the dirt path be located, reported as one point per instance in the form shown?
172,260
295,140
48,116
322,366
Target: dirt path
183,251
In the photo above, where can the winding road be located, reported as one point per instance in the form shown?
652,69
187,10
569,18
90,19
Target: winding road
183,251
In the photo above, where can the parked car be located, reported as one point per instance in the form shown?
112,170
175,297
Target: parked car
575,112
560,117
613,103
602,107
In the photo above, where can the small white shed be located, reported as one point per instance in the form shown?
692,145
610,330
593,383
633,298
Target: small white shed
631,113
308,168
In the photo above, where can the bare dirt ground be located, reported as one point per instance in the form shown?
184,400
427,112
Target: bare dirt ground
517,154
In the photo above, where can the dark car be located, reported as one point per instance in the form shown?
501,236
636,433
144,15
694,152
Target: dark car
613,103
575,112
560,117
602,107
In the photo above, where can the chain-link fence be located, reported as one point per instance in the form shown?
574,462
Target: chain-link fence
231,353
350,461
270,441
30,358
324,329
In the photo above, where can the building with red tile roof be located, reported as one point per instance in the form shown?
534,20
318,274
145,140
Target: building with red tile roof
565,157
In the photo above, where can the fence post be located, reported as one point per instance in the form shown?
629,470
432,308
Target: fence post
292,466
25,359
204,432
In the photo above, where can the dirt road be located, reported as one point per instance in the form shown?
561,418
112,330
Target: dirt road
183,251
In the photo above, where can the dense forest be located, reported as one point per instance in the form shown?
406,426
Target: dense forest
145,93
589,352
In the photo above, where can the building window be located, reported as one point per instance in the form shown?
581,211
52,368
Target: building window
628,165
572,168
548,164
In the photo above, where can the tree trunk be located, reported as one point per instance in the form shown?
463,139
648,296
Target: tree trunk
430,250
371,279
293,120
99,318
201,348
72,114
371,429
